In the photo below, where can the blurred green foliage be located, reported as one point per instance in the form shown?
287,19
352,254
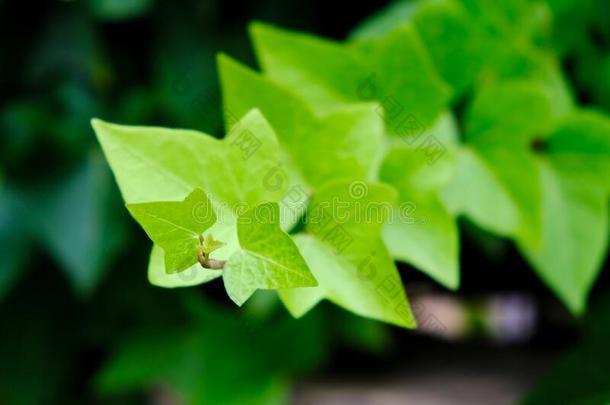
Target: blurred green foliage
79,321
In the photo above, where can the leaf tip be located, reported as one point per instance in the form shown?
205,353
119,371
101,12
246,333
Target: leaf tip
256,28
97,124
240,299
222,58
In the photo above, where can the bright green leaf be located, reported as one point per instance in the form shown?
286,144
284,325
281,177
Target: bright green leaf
267,259
177,227
421,231
427,238
349,139
157,164
574,235
475,191
514,113
344,251
505,123
209,244
408,88
581,144
325,73
193,275
395,14
328,75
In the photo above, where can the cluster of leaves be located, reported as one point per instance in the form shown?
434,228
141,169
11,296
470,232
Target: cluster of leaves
378,112
61,217
74,303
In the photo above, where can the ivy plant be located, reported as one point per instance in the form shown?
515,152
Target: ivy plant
501,178
342,157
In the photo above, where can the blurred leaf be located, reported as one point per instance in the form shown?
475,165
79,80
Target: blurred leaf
513,113
403,85
575,208
476,192
77,105
379,24
453,46
581,145
21,124
503,123
206,361
473,42
14,244
79,225
149,357
557,213
443,27
69,51
328,75
119,9
574,236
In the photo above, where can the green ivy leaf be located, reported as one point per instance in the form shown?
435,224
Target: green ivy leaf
209,244
540,183
581,144
575,208
474,43
405,86
503,125
350,139
513,113
177,226
518,173
476,192
193,275
158,164
342,245
395,14
574,235
325,73
267,259
422,231
329,75
445,29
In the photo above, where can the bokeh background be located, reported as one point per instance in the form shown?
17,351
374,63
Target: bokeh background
79,322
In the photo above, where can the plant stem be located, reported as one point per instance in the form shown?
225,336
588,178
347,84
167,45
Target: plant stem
208,263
